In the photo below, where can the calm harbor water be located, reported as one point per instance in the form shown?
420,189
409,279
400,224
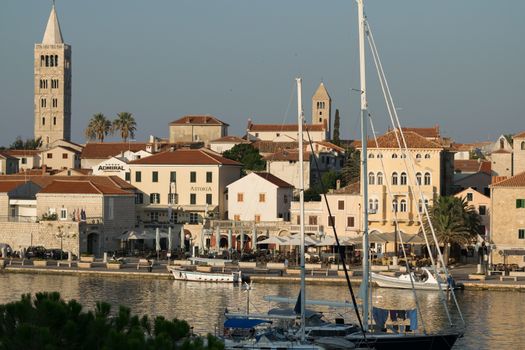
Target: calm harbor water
495,320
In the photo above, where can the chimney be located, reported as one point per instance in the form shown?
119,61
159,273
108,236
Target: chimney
44,169
338,184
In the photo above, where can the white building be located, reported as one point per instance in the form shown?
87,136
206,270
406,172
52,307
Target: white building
259,197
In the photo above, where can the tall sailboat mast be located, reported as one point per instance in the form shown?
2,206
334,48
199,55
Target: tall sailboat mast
300,117
364,171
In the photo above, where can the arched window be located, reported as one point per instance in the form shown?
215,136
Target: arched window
379,155
419,206
370,204
501,143
52,60
47,60
418,155
394,155
380,178
371,155
427,179
403,178
418,178
42,60
403,206
376,204
371,178
56,60
43,121
403,155
394,178
394,206
427,156
523,145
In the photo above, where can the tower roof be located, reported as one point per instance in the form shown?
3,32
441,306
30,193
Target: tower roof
321,93
52,35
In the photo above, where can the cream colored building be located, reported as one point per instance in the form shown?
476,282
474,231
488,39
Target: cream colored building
386,165
52,78
197,128
61,157
273,132
8,164
259,197
285,165
501,162
508,220
95,153
226,143
518,145
112,166
27,158
191,182
481,204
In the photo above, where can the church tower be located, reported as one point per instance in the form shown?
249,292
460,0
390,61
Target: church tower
52,85
321,108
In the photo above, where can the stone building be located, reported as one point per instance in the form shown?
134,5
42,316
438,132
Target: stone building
8,164
60,157
322,109
27,158
52,78
197,128
481,204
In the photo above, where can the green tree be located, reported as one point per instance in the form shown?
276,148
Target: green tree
27,144
98,128
248,155
336,139
351,169
126,124
454,222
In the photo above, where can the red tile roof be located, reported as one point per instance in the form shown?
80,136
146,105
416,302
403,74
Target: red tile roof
514,181
186,157
389,140
432,132
472,166
501,151
6,155
271,147
105,150
22,152
519,135
328,144
7,186
273,179
82,187
353,188
283,127
45,180
198,120
287,155
230,139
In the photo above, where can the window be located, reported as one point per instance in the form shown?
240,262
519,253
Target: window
520,203
482,210
174,217
111,208
208,198
371,178
371,155
522,145
403,206
403,155
173,176
394,206
262,197
240,197
394,155
380,178
237,217
209,176
24,160
194,218
427,179
379,155
331,221
139,198
418,156
403,178
54,84
49,155
54,102
350,221
376,204
154,216
420,205
43,103
427,156
521,233
138,176
173,198
394,178
193,176
341,205
155,176
370,204
127,176
54,120
64,155
43,121
257,218
312,220
469,197
501,143
63,214
193,198
154,198
418,178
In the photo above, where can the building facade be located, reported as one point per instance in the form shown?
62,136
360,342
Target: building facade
322,109
52,79
481,204
197,128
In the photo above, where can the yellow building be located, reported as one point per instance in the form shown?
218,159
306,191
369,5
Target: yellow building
197,128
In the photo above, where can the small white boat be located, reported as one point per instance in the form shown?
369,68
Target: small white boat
425,281
182,274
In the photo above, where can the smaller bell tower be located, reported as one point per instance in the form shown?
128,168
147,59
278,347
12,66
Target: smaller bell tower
322,108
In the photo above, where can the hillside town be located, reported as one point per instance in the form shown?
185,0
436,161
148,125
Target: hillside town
198,183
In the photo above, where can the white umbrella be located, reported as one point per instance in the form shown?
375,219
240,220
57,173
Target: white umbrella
326,241
157,240
272,240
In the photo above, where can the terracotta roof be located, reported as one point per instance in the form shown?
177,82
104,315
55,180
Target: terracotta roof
353,188
22,152
389,140
271,147
333,146
461,147
230,139
514,181
7,186
284,127
519,135
274,179
5,155
199,120
81,187
186,157
432,132
105,150
63,147
45,180
472,166
287,155
501,151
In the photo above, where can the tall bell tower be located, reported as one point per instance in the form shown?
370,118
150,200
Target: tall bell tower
52,85
321,109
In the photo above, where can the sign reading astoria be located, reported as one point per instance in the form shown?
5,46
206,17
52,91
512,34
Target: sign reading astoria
200,188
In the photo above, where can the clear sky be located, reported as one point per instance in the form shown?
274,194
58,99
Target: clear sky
456,63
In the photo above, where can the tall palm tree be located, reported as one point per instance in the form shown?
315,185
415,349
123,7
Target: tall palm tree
454,222
98,128
126,124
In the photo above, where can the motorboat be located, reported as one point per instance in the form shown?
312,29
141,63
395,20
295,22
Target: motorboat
182,273
424,280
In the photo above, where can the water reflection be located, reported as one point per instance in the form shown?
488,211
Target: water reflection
493,318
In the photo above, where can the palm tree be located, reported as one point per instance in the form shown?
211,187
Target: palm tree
454,222
126,124
99,126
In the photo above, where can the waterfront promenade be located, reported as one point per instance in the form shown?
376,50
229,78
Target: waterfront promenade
159,271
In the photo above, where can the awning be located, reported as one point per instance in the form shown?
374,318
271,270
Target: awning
515,252
244,323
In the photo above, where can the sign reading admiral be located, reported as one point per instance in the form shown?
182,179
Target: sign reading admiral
111,167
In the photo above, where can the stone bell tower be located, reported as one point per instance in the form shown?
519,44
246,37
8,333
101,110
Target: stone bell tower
321,109
52,85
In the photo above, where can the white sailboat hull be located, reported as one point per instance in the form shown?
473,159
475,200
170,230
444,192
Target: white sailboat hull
197,276
403,282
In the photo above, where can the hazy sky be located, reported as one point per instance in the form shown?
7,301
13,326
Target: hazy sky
457,63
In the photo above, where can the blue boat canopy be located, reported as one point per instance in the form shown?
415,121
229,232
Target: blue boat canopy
245,323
